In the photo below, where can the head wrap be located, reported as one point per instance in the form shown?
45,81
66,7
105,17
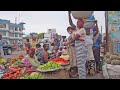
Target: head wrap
81,21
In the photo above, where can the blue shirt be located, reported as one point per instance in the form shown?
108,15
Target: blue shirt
58,43
51,48
97,43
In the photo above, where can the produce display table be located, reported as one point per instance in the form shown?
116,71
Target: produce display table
60,74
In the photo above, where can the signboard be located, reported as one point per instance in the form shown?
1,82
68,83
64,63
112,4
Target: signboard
113,16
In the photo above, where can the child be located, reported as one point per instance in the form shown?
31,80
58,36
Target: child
38,52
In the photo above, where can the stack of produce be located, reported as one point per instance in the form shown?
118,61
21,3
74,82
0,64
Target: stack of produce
21,56
29,71
60,61
2,60
6,63
14,61
15,72
49,66
65,56
33,75
113,59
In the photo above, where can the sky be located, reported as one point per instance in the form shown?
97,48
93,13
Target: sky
40,21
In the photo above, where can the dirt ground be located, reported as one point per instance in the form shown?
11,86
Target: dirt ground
62,74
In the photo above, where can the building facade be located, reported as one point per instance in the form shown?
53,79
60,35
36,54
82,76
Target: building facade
11,32
50,34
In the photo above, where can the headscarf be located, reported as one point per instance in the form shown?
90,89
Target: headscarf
81,21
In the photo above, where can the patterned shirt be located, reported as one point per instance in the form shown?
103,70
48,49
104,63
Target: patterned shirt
38,53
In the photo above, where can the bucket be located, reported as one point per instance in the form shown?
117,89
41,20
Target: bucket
81,14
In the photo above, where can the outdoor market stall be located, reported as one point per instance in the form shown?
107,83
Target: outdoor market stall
57,68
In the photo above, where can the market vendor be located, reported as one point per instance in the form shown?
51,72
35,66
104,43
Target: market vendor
29,60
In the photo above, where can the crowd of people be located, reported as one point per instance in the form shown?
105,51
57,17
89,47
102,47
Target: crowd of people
82,46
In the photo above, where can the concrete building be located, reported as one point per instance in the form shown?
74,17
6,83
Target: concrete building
50,34
11,32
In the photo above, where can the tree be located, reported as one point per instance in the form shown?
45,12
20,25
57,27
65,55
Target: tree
41,35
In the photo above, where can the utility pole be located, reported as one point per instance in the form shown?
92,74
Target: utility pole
107,37
15,20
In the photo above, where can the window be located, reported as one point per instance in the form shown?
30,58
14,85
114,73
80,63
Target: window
16,35
16,29
4,34
20,35
11,28
11,34
20,29
2,25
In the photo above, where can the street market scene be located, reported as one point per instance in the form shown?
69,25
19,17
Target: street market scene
66,45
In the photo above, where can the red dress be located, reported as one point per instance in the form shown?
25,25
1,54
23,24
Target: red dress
27,45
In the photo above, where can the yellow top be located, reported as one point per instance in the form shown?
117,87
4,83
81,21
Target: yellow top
34,44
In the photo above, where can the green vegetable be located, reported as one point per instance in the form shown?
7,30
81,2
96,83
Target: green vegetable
17,62
49,66
34,75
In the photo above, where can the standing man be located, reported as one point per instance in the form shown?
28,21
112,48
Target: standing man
96,47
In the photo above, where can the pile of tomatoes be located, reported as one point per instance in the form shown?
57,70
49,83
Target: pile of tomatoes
60,61
15,72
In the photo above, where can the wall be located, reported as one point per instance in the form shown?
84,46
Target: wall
114,29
